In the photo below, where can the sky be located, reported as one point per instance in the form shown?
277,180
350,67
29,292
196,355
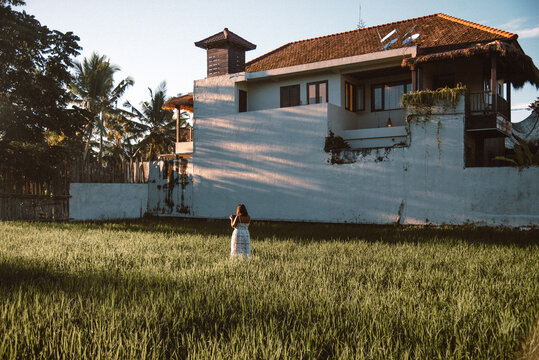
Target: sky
153,41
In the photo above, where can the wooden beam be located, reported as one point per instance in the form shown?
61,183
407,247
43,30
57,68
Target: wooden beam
508,91
493,81
414,78
177,114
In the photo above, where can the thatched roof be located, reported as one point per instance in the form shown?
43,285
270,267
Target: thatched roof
184,102
519,68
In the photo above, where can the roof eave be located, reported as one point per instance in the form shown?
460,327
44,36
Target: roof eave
335,64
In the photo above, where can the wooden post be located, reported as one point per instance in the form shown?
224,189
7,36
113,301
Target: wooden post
419,78
414,78
493,82
508,91
177,113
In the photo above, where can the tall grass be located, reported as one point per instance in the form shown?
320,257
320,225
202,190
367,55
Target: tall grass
167,289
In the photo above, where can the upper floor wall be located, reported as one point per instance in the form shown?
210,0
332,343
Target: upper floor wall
377,84
226,94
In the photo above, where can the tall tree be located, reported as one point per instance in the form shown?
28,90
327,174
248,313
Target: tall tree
158,127
97,96
36,127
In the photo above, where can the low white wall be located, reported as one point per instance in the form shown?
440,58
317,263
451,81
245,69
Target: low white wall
99,201
273,161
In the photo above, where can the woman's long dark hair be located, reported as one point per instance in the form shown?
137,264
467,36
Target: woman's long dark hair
242,210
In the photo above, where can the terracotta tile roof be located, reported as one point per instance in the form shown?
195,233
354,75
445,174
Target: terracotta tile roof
225,36
437,30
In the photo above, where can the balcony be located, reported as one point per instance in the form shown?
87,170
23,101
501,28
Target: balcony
483,118
185,144
370,130
376,138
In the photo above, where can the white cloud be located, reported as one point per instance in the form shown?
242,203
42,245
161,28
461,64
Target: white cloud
520,106
520,27
513,24
528,33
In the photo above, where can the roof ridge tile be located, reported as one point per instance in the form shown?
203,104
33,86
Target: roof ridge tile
478,26
363,29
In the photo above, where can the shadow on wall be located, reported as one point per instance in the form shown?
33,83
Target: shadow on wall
274,161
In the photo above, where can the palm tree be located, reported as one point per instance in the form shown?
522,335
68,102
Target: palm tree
158,127
96,96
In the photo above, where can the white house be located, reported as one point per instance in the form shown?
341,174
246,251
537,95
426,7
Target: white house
260,129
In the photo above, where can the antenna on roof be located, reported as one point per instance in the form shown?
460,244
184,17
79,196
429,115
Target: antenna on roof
389,44
410,31
361,23
388,36
408,37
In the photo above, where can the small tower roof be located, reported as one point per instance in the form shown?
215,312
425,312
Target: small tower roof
224,37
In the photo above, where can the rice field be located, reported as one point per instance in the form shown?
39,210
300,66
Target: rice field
166,289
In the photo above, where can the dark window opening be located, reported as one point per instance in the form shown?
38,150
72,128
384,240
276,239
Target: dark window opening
317,92
290,96
350,93
388,96
442,81
242,101
354,97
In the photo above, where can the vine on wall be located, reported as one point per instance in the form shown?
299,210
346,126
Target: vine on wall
335,145
425,100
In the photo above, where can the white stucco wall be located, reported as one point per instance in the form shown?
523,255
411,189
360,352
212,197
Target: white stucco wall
273,161
216,95
266,94
99,201
170,188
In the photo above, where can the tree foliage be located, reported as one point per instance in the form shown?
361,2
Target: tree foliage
525,154
37,130
158,126
96,97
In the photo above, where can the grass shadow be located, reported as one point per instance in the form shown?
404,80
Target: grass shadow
305,232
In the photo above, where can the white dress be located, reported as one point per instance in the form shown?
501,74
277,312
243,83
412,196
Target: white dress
240,243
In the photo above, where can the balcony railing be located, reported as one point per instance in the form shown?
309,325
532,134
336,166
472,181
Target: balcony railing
185,144
186,134
481,103
488,117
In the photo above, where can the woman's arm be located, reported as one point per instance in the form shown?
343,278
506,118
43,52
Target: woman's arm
233,220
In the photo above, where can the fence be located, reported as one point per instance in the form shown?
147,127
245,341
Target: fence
34,207
32,200
21,199
127,172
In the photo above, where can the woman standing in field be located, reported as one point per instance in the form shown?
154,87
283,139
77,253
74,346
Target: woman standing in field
240,243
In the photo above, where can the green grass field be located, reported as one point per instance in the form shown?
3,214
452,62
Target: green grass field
165,289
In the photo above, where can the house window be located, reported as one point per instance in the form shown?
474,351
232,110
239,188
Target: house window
388,96
317,92
499,87
354,97
290,96
242,101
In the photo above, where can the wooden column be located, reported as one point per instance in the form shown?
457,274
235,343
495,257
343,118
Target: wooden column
414,78
419,78
177,114
508,91
493,82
